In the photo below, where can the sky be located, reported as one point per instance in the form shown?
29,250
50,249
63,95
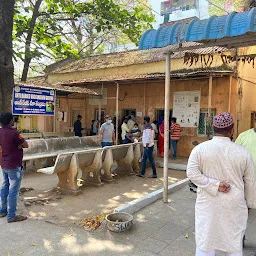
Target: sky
156,7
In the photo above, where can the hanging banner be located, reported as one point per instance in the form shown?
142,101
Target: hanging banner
186,108
33,101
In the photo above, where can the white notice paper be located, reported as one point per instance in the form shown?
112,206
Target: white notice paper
186,108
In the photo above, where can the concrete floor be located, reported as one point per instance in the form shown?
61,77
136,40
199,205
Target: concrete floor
159,229
93,200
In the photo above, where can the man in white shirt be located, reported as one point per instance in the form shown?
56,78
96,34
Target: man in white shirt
125,129
148,144
224,175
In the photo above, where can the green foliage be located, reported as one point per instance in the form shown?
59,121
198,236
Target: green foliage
59,33
223,7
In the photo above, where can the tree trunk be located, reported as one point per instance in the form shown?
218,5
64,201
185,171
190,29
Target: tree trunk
32,24
6,64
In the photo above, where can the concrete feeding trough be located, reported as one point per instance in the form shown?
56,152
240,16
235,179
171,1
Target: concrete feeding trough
119,221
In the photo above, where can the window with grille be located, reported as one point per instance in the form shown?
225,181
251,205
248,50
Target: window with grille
204,128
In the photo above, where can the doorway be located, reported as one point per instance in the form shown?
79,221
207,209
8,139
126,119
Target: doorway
103,114
129,112
160,114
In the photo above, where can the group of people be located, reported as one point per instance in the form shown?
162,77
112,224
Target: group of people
130,131
224,173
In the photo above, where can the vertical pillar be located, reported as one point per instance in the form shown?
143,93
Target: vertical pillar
100,100
166,125
229,94
209,106
144,100
117,110
84,115
55,116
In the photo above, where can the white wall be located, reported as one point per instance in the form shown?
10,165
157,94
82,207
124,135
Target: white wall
201,13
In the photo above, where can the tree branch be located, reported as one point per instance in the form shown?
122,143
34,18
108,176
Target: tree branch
29,38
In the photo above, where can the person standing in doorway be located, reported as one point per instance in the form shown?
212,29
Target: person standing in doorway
224,175
148,144
248,140
78,126
175,135
107,133
125,130
11,144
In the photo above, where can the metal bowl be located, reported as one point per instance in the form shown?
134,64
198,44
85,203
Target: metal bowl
119,221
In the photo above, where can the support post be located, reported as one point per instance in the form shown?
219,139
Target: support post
100,100
84,114
144,100
229,94
117,110
55,116
166,125
209,106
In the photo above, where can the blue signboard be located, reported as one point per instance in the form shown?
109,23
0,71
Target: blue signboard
33,101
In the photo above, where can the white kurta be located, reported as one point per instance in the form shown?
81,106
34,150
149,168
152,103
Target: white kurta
221,218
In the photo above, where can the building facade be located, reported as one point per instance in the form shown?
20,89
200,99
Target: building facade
141,78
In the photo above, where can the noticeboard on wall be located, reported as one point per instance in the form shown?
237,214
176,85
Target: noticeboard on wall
186,108
33,101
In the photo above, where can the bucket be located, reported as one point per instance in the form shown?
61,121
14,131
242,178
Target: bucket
119,221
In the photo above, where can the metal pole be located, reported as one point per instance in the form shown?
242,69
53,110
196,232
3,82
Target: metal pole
117,110
210,98
166,125
209,106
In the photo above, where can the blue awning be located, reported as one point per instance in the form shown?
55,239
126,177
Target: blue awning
212,29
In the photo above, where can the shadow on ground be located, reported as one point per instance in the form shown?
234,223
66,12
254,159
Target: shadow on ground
69,209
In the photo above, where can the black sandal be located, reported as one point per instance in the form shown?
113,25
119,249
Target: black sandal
153,177
17,219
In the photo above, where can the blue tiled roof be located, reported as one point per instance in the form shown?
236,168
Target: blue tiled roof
231,25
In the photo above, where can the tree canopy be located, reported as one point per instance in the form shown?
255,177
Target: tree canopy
223,7
58,29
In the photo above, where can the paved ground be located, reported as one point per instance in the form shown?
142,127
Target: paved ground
92,200
159,229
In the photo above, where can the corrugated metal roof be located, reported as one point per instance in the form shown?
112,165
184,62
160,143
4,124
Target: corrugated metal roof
214,28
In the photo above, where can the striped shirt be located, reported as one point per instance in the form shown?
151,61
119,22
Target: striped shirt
175,131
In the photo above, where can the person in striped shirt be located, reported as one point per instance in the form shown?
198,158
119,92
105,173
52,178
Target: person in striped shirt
175,135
